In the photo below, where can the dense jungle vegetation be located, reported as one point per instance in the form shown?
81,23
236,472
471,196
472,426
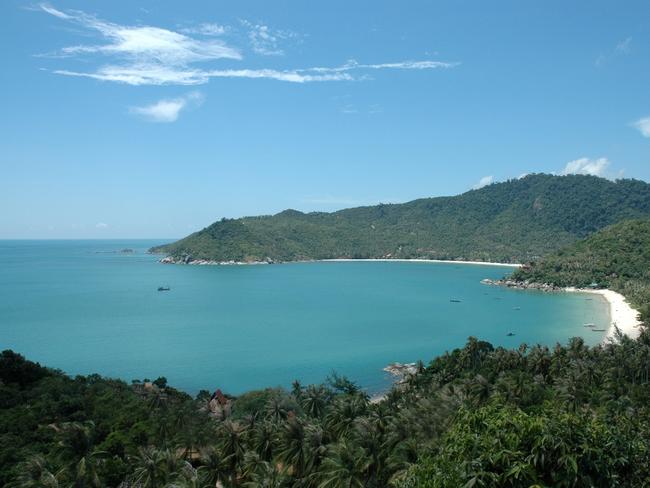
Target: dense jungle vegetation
515,221
478,416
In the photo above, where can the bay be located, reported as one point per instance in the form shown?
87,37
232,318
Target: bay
85,307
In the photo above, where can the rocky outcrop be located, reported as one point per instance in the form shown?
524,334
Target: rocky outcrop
401,371
522,285
186,259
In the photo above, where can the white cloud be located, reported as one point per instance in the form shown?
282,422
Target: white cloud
148,55
52,11
643,126
485,181
101,225
266,41
168,110
207,29
586,166
158,75
354,65
295,76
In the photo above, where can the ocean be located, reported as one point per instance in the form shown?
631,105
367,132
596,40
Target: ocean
84,307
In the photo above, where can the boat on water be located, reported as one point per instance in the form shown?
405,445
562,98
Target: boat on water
164,288
599,330
590,325
510,334
454,300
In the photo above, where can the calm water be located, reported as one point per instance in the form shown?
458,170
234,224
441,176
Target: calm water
81,307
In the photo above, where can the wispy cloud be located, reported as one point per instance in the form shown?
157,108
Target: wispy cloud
168,110
144,54
586,166
266,41
354,65
101,225
207,29
147,55
485,181
643,126
622,48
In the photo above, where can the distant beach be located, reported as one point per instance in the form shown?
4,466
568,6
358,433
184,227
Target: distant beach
447,261
621,313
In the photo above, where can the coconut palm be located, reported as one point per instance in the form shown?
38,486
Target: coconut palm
232,446
214,466
340,418
263,474
148,471
346,466
263,437
187,477
77,450
35,473
293,449
314,400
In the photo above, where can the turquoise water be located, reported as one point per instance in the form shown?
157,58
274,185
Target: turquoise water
81,307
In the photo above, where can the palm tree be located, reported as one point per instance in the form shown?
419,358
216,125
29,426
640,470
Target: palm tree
293,451
77,449
276,408
263,437
314,400
263,474
296,389
340,418
346,466
232,447
149,469
188,477
35,473
214,466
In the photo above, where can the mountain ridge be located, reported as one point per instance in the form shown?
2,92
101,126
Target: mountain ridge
513,221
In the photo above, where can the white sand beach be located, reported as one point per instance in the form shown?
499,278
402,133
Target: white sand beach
446,261
622,315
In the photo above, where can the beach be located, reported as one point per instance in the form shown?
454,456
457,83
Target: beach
446,261
621,313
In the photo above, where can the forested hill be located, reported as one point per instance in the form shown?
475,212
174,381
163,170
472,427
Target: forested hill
513,221
617,257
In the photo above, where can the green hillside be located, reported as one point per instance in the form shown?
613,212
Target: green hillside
514,221
617,257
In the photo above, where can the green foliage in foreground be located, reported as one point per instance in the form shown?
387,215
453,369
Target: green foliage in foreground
617,257
514,221
477,416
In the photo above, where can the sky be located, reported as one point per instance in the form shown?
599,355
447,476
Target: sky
154,118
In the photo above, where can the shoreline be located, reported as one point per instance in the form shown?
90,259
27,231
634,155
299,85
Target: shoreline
621,313
209,262
419,260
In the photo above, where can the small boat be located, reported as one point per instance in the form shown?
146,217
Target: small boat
516,308
453,300
510,334
164,288
590,325
599,330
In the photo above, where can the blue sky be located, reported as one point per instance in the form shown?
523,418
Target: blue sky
155,118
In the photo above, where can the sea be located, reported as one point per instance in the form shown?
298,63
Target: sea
83,306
